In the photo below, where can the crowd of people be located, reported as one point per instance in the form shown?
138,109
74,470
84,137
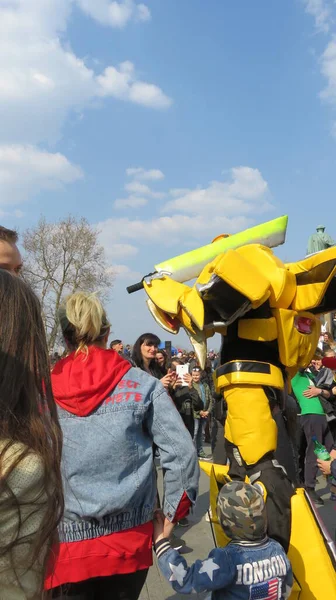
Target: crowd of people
80,442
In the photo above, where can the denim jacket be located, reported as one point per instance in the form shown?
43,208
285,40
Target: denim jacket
241,571
107,464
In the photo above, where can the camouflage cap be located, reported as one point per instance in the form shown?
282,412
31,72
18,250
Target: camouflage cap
241,511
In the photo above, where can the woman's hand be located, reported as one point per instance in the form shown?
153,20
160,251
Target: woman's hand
325,466
312,392
176,381
166,380
162,527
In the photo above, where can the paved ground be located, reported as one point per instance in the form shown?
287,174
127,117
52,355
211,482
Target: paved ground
199,540
328,511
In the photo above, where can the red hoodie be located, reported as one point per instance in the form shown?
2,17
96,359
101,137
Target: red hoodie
80,383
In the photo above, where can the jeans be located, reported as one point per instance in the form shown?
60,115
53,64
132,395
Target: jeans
198,434
116,587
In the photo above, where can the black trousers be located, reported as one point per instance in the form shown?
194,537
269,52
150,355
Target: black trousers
115,587
314,425
188,420
218,442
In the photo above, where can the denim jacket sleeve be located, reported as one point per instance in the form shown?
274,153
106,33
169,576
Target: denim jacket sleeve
177,452
215,573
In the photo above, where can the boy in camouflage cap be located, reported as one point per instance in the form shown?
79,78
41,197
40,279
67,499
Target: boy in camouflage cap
251,567
241,512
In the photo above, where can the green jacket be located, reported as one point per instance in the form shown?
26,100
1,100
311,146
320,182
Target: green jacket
206,395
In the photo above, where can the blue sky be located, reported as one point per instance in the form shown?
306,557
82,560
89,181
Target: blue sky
166,123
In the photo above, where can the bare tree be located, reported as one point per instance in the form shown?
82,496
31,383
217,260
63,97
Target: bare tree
61,258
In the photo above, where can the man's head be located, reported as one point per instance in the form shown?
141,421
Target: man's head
318,359
10,258
117,346
196,374
241,511
320,228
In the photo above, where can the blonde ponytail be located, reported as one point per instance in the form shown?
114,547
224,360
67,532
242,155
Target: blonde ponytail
86,320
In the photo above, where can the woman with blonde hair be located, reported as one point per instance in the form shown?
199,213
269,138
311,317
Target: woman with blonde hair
111,414
31,499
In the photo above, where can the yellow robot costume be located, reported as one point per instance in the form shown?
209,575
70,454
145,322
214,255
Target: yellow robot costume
267,313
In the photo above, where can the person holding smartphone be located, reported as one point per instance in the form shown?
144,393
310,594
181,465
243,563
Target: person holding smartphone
144,357
185,397
201,416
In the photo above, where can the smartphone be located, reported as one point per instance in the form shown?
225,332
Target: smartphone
180,371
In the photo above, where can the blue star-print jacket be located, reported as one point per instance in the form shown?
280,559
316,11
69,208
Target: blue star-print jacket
241,571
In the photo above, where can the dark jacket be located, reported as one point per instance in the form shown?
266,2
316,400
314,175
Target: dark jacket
208,398
186,400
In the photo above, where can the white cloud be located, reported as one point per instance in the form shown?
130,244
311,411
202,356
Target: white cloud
328,69
140,173
175,192
222,207
25,170
174,229
243,194
117,251
126,273
115,14
139,192
42,79
123,84
135,187
130,202
138,188
43,83
322,13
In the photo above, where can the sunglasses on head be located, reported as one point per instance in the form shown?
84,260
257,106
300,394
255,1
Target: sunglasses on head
197,369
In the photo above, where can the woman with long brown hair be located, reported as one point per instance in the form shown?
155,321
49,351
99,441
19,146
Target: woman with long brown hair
31,498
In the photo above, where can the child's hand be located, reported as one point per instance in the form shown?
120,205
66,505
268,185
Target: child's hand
162,527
